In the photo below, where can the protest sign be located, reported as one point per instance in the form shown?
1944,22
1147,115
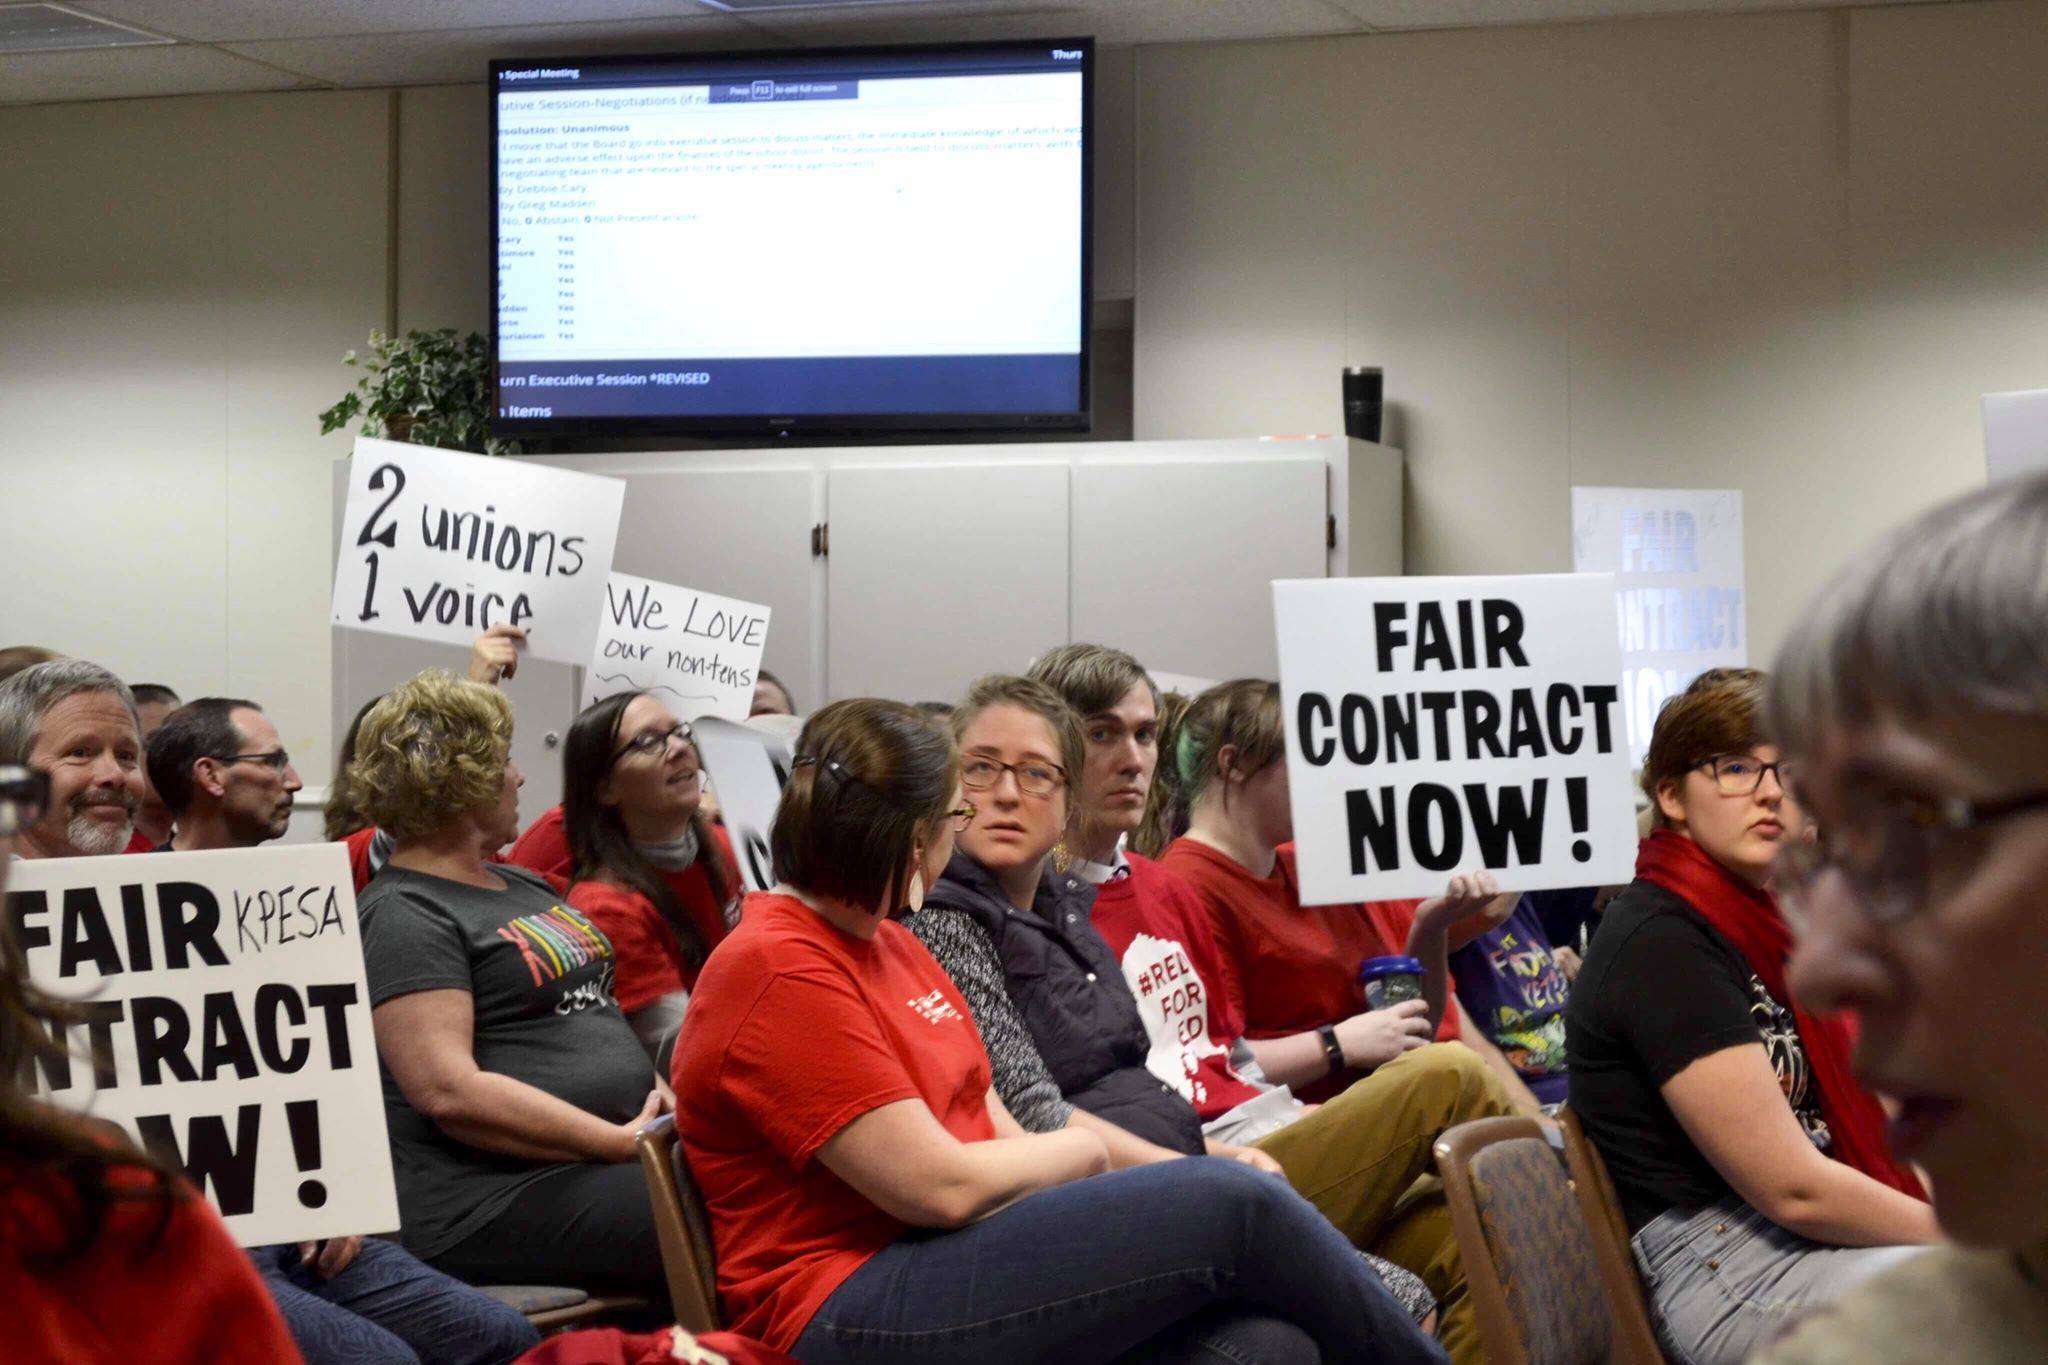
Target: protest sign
2015,434
439,545
696,651
1676,557
748,767
227,1026
1444,725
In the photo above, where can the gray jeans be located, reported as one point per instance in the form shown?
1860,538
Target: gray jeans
1723,1278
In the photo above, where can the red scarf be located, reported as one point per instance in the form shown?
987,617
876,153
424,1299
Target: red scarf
1749,919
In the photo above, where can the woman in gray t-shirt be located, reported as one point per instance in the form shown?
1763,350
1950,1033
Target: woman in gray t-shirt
513,1085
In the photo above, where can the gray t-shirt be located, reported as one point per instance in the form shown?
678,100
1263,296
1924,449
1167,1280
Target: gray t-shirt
541,978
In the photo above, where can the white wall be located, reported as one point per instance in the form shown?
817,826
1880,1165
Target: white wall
178,280
1783,254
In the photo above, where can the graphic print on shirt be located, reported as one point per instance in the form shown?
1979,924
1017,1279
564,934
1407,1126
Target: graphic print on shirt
557,942
934,1007
1175,1009
1530,1034
1788,1061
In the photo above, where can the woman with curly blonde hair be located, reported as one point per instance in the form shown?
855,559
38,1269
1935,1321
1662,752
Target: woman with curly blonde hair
512,1083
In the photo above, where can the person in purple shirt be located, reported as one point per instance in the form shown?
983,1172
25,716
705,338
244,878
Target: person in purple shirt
1514,985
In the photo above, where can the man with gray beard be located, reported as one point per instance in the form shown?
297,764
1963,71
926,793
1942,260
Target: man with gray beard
76,722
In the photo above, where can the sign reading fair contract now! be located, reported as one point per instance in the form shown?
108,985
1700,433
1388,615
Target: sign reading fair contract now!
1444,725
224,1021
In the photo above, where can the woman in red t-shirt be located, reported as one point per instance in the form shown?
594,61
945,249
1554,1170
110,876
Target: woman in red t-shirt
1292,969
833,1097
105,1255
648,869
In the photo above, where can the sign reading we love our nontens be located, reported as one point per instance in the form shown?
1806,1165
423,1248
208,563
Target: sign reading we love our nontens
698,652
439,545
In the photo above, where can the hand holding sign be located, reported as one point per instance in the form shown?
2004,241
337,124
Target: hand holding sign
225,1004
1441,724
442,546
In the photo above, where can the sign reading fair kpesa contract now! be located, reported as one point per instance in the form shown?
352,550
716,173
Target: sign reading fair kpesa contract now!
439,545
1444,725
223,993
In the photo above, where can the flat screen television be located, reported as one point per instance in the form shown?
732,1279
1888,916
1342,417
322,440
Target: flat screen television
842,241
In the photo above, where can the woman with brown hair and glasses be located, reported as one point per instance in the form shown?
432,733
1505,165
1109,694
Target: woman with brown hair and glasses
870,1196
1751,1164
650,870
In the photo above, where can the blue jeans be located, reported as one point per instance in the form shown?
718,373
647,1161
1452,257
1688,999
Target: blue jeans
388,1307
1195,1260
1723,1278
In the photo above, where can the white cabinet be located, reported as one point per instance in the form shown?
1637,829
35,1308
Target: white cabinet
940,573
1173,557
941,563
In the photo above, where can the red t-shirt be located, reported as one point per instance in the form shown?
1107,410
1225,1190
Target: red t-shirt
545,846
138,842
1160,933
796,1030
1286,966
191,1295
651,963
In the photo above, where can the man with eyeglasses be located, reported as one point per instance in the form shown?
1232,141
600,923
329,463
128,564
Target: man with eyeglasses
221,770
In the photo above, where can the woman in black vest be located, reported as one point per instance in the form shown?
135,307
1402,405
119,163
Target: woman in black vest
1048,994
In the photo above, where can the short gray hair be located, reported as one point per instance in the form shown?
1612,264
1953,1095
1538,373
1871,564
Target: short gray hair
28,696
1949,610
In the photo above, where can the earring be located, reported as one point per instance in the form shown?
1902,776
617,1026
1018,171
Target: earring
916,893
1062,859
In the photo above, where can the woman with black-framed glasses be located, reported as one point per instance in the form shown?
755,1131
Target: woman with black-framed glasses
649,869
1750,1161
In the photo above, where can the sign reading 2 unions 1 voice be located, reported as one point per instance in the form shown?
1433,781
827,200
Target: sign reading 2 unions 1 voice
1676,557
440,545
226,1025
696,651
1445,725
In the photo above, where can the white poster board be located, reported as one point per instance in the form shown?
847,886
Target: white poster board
1443,725
748,768
1676,557
2015,434
698,652
439,545
226,989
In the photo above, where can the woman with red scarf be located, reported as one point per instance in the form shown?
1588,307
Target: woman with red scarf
1751,1164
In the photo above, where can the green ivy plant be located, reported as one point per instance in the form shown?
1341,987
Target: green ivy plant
429,388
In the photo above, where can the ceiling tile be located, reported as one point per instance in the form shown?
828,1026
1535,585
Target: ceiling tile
1111,21
445,58
1411,14
210,21
131,73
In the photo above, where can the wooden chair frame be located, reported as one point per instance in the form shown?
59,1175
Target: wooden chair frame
687,1255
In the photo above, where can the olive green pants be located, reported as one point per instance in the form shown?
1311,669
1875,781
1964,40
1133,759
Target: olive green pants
1363,1159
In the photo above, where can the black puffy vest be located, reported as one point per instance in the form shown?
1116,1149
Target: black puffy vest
1070,989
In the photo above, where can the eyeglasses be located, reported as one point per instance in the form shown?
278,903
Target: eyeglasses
655,741
1888,867
1033,778
962,817
24,796
1741,775
277,760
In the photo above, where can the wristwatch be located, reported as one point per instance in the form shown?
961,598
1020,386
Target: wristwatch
1332,1049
